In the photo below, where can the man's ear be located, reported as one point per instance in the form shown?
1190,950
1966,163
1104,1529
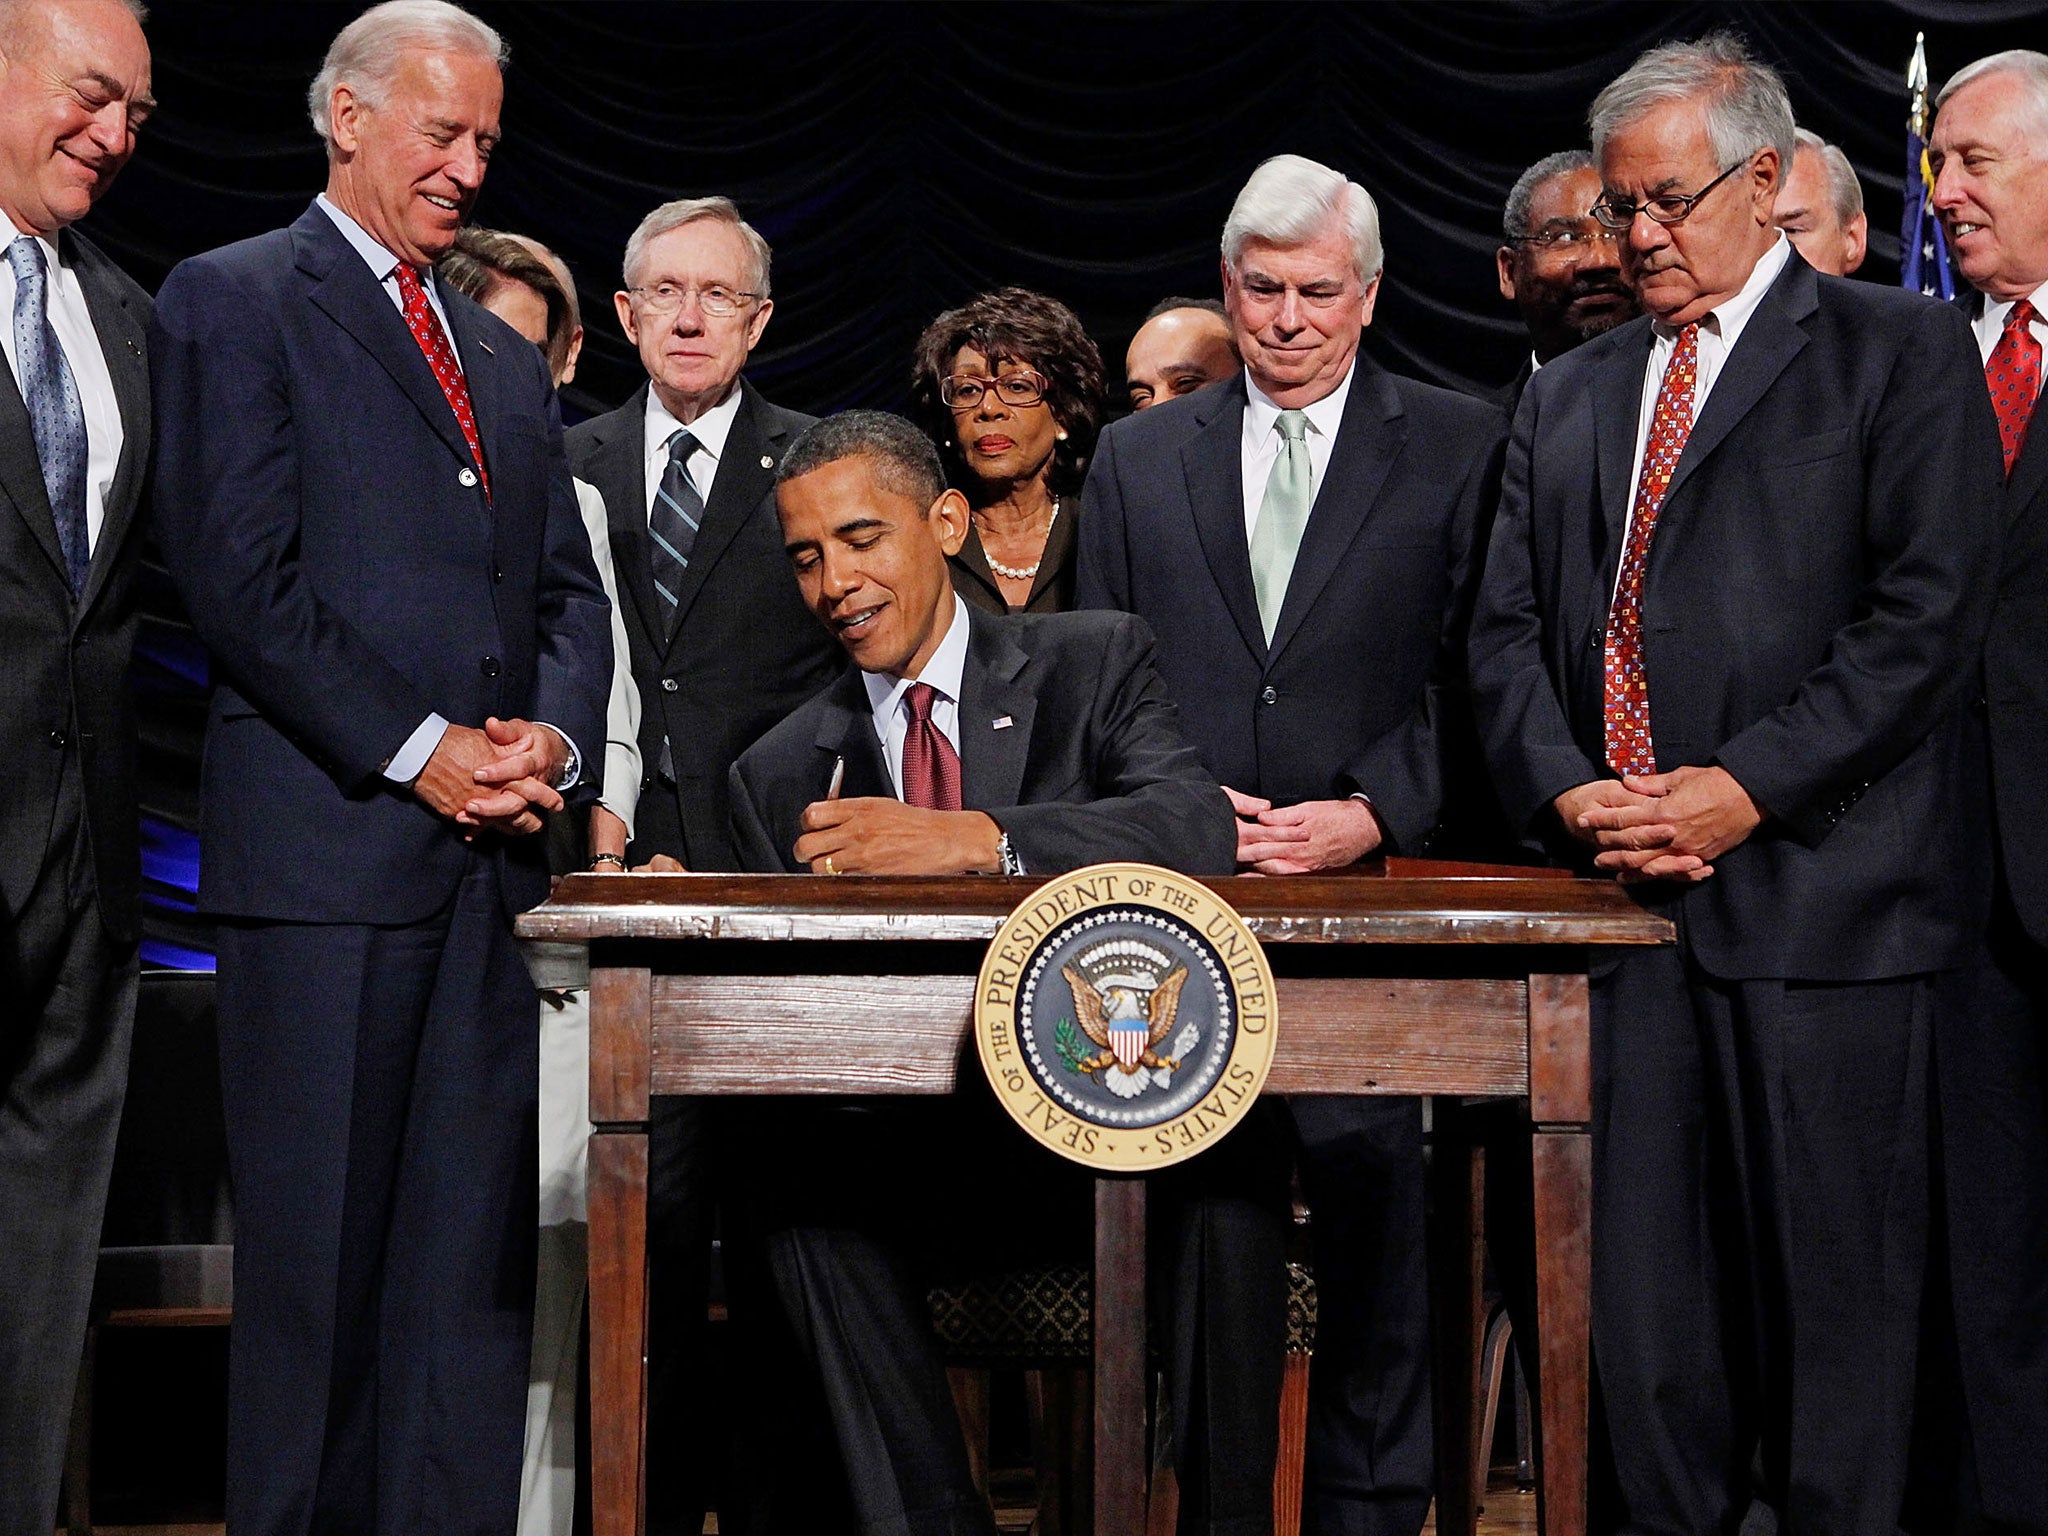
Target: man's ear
622,301
950,518
1504,261
1857,232
575,351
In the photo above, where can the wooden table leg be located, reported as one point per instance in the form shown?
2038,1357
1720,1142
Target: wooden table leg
1457,1275
618,1330
1564,1282
1119,1330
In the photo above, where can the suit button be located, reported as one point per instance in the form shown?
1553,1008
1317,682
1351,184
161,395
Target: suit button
490,665
669,685
497,575
57,739
468,475
1269,696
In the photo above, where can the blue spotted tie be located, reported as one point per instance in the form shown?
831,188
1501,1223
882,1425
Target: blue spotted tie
55,414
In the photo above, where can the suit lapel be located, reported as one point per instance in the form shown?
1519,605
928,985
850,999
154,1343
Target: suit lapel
480,375
341,286
1617,406
2029,478
1213,462
618,468
847,729
741,482
1369,439
120,332
1768,343
992,756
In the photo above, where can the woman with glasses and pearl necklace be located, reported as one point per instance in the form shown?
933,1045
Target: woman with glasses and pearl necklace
1010,387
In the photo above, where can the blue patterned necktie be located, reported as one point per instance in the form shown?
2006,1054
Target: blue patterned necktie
55,414
673,521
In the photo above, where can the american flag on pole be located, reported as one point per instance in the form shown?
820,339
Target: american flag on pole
1923,248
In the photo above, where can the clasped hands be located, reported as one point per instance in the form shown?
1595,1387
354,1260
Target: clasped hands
1661,826
875,835
499,779
1302,838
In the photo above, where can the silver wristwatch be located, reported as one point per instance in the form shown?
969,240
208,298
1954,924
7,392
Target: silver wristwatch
1012,864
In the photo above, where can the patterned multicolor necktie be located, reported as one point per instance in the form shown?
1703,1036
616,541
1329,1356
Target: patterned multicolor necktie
2013,375
1629,750
56,415
425,326
931,768
1283,514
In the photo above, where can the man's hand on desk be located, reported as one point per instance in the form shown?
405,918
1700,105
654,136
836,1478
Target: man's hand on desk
1300,839
877,836
1663,826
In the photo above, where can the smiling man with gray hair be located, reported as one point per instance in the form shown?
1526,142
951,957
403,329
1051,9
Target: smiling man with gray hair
1723,652
1300,538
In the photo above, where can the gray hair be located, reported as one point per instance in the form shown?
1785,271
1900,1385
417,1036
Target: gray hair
1291,200
2032,69
1844,190
903,458
366,53
1745,101
688,210
1514,220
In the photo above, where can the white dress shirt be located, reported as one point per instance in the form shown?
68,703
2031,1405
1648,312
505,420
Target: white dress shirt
943,672
1720,329
1262,441
1990,325
64,300
410,760
710,430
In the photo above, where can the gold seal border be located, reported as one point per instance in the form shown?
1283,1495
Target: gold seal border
1001,980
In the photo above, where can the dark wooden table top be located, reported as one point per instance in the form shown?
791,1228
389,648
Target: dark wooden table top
1395,901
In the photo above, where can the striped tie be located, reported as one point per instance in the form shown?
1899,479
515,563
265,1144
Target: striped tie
673,520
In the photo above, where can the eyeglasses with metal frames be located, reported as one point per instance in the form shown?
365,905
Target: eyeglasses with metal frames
717,300
1021,388
1568,239
1670,208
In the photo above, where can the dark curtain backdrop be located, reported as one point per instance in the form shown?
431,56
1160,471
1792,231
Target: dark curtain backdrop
901,157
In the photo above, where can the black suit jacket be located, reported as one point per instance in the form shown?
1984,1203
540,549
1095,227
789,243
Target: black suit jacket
1816,593
2016,682
745,651
1090,768
317,507
64,704
1348,697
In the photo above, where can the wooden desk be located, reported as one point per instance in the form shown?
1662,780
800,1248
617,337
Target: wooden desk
1425,980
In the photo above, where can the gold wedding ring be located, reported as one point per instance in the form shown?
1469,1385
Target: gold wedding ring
830,867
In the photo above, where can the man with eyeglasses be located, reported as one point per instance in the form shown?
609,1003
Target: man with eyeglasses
1558,265
722,649
1299,539
1722,652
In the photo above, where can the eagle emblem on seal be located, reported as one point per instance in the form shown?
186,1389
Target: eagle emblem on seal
1126,995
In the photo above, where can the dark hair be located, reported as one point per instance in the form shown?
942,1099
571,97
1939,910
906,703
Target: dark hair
1514,219
1168,306
483,258
1019,326
903,458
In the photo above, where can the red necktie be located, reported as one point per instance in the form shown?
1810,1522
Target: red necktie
2013,374
1627,690
425,326
931,768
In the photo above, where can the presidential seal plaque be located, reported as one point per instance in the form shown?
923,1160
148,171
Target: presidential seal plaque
1124,1016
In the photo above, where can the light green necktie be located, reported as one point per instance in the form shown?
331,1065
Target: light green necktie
1276,537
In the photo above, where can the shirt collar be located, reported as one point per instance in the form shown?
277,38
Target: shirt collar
710,430
1995,310
944,671
1728,319
52,257
1325,416
380,261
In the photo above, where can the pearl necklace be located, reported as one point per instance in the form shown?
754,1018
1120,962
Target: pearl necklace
1024,572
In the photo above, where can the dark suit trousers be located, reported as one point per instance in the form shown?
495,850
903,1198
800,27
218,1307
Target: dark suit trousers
67,1013
1760,1221
379,1085
1989,1054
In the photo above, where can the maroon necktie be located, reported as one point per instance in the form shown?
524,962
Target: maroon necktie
931,768
2013,375
425,326
1629,750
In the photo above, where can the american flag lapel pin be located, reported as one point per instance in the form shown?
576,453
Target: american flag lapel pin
1003,722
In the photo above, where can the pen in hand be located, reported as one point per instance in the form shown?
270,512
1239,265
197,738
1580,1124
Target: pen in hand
838,778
